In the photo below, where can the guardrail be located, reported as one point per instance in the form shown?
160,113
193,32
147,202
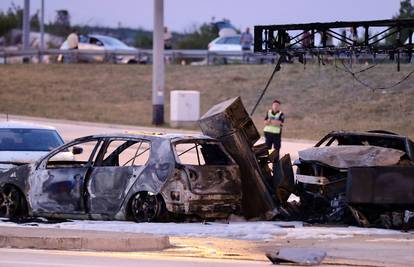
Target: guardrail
124,56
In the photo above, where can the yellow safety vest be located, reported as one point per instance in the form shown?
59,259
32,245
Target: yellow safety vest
273,128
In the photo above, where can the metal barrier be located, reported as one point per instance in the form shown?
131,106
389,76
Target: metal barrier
139,56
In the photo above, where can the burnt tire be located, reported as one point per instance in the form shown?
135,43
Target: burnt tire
12,203
146,207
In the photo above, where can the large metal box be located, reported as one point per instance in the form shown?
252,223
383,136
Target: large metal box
381,185
228,117
230,123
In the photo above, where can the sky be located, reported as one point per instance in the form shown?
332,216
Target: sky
183,15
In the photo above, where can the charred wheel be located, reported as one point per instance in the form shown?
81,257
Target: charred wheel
11,202
146,207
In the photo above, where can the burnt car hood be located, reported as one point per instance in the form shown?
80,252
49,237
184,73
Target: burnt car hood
344,157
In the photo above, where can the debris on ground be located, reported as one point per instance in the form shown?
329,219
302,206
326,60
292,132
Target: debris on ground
297,256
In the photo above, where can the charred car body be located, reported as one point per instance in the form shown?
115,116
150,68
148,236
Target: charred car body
139,177
365,178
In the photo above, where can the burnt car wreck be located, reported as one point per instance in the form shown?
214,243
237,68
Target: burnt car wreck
364,179
141,177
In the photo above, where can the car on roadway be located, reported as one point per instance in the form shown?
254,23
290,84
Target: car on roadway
96,42
131,176
22,143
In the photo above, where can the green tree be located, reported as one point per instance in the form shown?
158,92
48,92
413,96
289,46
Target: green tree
11,20
198,38
61,25
143,39
406,11
35,22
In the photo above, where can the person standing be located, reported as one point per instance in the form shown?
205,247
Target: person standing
73,44
167,39
246,40
273,121
73,40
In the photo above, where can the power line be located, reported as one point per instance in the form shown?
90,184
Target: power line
365,84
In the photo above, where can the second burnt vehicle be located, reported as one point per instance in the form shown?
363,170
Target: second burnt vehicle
139,177
365,178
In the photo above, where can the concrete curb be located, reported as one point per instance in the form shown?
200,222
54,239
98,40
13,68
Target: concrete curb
64,239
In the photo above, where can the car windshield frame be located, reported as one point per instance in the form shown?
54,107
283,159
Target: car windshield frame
27,145
394,141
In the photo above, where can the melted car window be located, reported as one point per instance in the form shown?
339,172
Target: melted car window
126,153
193,153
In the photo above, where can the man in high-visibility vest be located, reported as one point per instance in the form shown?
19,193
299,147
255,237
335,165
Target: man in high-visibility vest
273,126
273,132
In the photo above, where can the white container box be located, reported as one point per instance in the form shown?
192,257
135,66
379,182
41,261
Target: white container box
185,106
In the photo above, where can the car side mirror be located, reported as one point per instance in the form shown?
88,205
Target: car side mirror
77,150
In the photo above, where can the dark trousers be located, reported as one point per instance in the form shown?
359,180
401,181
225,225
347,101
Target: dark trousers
274,141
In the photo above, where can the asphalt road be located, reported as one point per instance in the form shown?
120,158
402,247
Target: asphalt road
30,258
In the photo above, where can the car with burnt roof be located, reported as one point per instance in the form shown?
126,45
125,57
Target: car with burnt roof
367,175
131,176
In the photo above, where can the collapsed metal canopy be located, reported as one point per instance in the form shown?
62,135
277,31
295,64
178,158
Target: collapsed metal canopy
276,38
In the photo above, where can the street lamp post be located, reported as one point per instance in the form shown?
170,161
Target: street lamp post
42,30
158,67
26,28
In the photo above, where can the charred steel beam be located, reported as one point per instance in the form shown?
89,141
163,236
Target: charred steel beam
271,38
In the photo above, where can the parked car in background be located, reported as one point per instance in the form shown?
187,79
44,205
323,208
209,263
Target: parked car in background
226,43
141,177
22,143
104,43
230,46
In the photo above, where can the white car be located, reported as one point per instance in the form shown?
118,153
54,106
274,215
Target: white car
230,44
22,143
226,43
104,43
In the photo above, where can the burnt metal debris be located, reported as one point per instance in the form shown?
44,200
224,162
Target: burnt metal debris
297,256
299,40
230,123
287,37
364,179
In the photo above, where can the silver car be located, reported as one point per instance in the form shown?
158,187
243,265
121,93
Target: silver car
95,47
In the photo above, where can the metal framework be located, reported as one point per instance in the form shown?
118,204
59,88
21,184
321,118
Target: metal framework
285,38
298,39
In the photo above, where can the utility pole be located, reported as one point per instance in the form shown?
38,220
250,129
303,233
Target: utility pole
26,28
42,30
158,67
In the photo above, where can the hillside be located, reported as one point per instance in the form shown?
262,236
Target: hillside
316,99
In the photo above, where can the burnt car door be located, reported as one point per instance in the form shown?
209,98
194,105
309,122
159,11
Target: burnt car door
210,169
57,185
119,164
